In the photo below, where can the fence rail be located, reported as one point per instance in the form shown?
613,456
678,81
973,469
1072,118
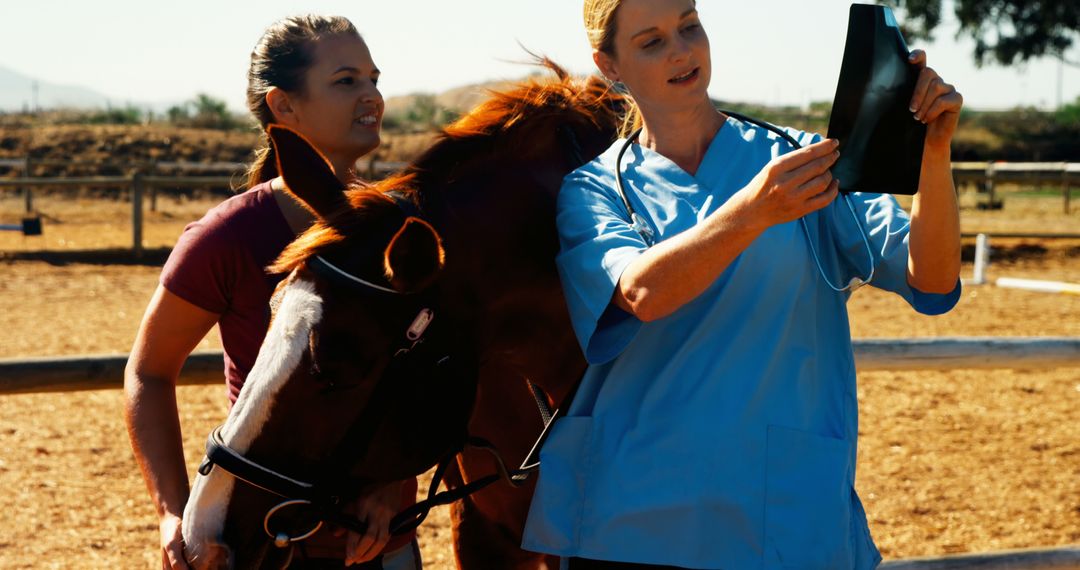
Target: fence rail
1062,558
150,171
98,372
143,179
987,174
205,367
139,184
95,372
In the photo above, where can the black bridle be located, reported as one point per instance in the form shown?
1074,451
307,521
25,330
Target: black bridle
323,501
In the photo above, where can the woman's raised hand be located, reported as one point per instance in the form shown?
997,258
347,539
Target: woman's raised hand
935,103
792,185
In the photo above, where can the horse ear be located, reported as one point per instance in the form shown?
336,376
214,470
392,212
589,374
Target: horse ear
308,175
414,257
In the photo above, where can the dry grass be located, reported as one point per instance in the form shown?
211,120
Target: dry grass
949,461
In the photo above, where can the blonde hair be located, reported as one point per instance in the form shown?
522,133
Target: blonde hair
600,27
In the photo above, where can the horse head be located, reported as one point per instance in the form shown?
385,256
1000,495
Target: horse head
362,379
459,249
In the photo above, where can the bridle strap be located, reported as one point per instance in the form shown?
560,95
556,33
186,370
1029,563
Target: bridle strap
320,265
217,453
410,518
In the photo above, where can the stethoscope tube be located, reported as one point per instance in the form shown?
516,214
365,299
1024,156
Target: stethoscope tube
643,229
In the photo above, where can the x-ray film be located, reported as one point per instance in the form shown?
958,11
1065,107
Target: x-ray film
881,143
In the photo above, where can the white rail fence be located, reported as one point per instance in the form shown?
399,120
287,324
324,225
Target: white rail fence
205,367
982,263
95,372
1062,558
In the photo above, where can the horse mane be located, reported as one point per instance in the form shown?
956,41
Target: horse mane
498,127
501,126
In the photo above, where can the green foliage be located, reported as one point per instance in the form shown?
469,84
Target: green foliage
179,113
1005,31
1069,114
127,115
1021,134
1018,135
204,112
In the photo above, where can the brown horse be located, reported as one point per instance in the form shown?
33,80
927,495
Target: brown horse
408,306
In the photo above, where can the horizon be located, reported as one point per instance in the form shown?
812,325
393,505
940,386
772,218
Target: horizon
169,68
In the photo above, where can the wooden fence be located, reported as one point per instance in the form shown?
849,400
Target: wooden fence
1062,558
206,367
140,183
100,372
986,175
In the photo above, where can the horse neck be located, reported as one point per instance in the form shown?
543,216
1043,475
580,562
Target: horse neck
499,232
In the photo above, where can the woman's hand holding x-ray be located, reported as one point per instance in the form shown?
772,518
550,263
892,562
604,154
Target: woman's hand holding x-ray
793,185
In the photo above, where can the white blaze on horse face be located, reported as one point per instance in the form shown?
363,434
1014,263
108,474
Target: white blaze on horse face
281,352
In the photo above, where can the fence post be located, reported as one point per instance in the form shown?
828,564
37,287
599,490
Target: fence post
136,214
28,195
990,184
1067,192
151,170
982,258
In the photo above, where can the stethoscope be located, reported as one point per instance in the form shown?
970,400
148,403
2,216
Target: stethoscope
642,228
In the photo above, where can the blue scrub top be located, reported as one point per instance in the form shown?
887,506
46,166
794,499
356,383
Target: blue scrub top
723,435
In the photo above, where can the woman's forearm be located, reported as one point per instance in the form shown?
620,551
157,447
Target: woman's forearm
934,242
674,272
154,428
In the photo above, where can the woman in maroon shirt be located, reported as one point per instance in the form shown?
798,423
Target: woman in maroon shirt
315,75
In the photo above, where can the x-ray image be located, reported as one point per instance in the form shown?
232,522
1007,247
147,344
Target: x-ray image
881,143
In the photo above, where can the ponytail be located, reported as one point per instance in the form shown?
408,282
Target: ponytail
264,167
600,27
631,120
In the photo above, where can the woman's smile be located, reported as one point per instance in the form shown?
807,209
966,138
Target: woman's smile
687,78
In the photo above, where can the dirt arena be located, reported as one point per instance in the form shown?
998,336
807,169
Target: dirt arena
949,462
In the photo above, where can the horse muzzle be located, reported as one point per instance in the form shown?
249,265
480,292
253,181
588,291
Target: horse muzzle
209,556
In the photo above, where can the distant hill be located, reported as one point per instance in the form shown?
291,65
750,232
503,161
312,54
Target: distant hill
458,99
16,94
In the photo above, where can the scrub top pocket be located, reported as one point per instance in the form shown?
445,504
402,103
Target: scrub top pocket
555,515
807,501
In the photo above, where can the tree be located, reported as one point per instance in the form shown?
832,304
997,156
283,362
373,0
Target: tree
1005,31
179,113
1069,114
210,112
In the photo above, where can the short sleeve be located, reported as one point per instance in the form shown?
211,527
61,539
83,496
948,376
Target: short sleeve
887,228
597,243
201,268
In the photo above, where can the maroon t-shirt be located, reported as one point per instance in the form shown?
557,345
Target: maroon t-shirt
219,265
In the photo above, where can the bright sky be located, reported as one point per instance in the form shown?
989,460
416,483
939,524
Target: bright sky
769,51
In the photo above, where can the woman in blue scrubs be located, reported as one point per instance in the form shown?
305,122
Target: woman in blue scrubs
716,424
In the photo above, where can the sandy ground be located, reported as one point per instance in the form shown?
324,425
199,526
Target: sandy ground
949,462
